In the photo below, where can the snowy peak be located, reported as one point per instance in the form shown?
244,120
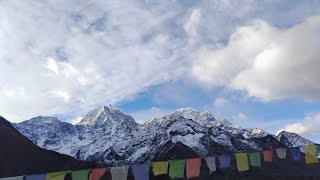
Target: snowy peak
42,120
290,139
104,115
190,113
256,133
95,117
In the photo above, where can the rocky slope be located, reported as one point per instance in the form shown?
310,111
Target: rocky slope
110,137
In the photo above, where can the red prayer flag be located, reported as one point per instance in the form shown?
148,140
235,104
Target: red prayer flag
193,167
96,174
267,155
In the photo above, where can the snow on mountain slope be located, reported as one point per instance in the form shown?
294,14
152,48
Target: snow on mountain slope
110,137
292,139
49,133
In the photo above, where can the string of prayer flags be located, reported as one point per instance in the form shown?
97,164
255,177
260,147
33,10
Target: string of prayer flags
13,178
97,173
36,177
296,153
159,168
310,154
80,175
193,167
119,173
267,155
141,171
211,163
56,176
176,170
255,159
242,161
224,161
281,152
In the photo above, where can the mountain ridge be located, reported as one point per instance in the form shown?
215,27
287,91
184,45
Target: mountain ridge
19,156
108,132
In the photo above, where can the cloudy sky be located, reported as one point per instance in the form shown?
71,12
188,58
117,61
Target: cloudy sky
254,62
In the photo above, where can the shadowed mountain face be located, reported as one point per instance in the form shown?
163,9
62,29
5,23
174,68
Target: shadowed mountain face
19,156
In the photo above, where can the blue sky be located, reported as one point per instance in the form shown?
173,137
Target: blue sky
252,62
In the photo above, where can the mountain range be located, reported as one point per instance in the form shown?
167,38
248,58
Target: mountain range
110,137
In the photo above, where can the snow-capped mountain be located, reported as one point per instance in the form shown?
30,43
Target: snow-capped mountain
292,139
110,137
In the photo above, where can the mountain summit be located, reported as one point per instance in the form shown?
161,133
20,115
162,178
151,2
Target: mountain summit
106,115
110,137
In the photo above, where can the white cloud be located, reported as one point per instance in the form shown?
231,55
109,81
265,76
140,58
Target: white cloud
240,116
192,23
104,52
219,66
220,102
80,55
295,127
266,62
52,65
63,94
287,67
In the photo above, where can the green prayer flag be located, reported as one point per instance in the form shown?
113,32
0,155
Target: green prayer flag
176,169
80,175
255,159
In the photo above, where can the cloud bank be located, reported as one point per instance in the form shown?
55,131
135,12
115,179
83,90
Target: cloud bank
65,57
266,62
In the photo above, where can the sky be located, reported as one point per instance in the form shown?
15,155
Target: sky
254,63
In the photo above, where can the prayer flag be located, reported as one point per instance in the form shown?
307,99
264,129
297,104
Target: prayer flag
36,177
193,167
281,152
119,173
296,153
141,171
80,175
224,161
242,161
56,176
310,154
96,174
255,159
177,169
267,155
211,162
159,168
13,178
318,149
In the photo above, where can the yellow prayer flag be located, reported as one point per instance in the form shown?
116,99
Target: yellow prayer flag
310,154
56,176
242,161
159,168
